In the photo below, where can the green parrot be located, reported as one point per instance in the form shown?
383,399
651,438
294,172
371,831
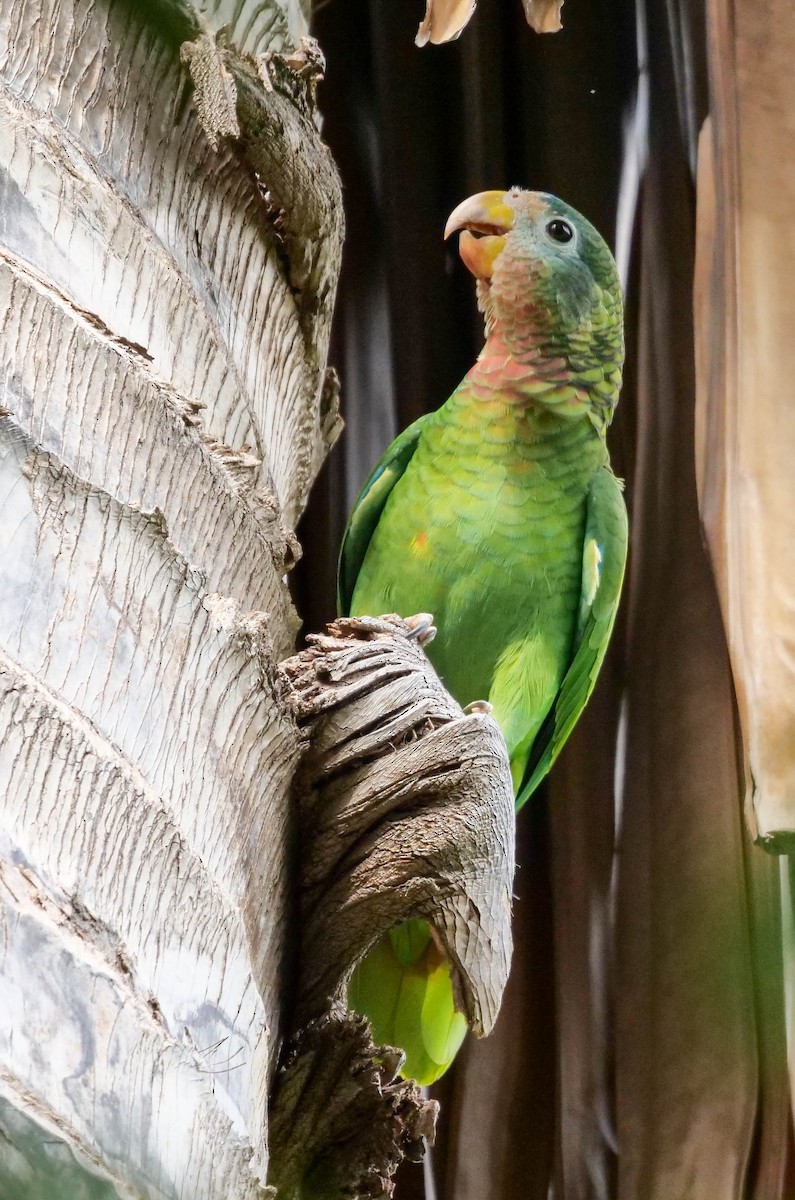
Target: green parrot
499,514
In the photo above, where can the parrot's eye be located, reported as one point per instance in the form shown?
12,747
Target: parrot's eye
559,230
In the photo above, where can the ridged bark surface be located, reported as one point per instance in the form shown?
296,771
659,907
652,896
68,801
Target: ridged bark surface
163,413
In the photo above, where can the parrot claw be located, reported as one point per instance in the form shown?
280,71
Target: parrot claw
480,708
421,628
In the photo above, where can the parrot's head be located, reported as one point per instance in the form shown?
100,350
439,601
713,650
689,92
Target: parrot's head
547,282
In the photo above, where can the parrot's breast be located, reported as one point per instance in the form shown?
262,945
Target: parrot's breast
485,530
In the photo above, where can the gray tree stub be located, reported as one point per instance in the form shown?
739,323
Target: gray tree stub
406,810
405,806
163,409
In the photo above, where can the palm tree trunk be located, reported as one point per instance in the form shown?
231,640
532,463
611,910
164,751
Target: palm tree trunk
167,300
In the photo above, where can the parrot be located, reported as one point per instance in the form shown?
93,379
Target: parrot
500,515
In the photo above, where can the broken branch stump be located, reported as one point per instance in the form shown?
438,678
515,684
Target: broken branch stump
406,811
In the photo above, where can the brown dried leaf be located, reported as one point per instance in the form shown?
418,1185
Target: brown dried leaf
745,292
444,20
686,1037
543,15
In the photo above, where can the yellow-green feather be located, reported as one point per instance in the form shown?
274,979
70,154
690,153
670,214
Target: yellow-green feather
404,988
499,514
488,523
507,605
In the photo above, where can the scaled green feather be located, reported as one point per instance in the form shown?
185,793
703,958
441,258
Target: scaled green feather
367,511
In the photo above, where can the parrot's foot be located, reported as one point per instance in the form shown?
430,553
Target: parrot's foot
481,708
421,627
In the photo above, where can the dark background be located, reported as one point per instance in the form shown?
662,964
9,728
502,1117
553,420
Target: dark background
414,132
640,1052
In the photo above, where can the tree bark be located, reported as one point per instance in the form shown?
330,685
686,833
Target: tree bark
405,809
167,293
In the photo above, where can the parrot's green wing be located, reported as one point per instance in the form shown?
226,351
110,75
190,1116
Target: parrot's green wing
604,557
403,987
368,508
